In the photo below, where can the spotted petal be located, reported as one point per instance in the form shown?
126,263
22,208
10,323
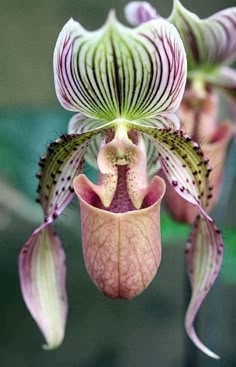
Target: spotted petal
61,164
183,163
41,261
209,41
204,254
120,72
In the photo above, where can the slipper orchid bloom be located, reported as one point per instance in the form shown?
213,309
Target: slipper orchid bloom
210,45
125,85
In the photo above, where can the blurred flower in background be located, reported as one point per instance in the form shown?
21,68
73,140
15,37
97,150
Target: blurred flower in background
210,45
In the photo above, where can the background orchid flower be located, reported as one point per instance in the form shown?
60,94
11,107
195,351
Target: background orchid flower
210,45
125,84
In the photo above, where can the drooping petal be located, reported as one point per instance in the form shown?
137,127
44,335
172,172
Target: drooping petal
42,276
204,254
122,250
120,72
183,163
209,41
41,262
138,12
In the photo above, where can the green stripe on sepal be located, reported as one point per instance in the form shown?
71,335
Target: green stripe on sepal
208,42
120,72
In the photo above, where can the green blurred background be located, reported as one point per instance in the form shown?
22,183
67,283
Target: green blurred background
147,331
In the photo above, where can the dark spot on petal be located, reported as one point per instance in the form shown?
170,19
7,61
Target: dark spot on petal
55,215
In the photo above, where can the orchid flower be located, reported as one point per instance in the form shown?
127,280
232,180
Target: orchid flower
210,45
125,85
